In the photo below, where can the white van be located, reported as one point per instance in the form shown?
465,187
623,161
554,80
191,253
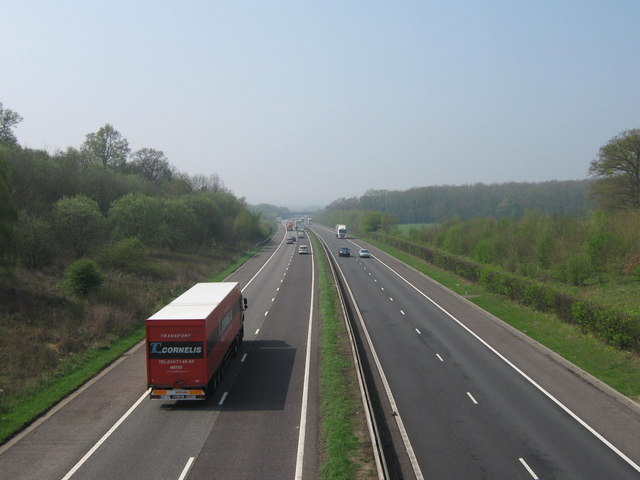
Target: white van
303,249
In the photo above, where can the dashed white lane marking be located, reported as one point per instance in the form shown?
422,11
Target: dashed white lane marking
186,468
531,472
439,357
419,332
224,397
472,399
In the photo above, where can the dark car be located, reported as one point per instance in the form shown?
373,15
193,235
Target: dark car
291,240
344,252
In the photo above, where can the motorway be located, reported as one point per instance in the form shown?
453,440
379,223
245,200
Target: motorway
465,396
260,423
471,397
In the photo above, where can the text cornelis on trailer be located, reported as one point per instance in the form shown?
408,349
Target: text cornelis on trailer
175,350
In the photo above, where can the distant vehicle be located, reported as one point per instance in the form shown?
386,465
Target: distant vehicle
344,252
303,249
291,240
300,234
364,253
341,231
289,226
191,338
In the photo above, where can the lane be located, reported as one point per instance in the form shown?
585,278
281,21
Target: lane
157,439
257,437
467,412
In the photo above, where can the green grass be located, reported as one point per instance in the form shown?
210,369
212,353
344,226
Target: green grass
343,452
37,399
220,276
61,384
405,227
618,369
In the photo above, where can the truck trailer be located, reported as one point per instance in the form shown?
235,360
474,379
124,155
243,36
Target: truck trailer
341,231
191,338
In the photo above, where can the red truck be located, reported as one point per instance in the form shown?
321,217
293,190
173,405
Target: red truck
190,339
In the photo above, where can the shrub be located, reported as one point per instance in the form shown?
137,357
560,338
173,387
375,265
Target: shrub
34,241
129,255
83,276
576,269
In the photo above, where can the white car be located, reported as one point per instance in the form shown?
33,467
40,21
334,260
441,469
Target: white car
364,253
303,249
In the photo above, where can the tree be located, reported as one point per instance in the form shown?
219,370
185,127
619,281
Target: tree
151,164
8,120
137,216
617,171
8,213
83,276
78,223
106,147
179,224
35,242
212,183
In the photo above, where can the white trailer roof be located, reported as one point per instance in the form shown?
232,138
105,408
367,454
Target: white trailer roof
196,303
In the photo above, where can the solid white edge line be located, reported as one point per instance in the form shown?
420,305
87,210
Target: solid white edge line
186,468
524,375
105,436
305,387
531,472
135,405
265,264
392,402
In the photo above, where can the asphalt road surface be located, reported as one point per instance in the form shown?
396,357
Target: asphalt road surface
260,423
476,399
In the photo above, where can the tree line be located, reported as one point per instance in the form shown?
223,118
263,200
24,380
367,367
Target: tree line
614,185
56,208
435,204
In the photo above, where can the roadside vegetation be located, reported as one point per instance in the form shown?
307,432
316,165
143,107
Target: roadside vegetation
616,367
37,372
346,449
93,240
564,264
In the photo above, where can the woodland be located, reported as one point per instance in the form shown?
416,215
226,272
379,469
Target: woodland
93,239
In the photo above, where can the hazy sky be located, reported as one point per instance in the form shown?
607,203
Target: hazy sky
298,103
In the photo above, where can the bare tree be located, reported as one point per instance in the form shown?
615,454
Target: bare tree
152,164
212,183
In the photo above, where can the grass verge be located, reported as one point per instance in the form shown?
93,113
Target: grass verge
22,410
345,452
66,380
220,276
618,369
